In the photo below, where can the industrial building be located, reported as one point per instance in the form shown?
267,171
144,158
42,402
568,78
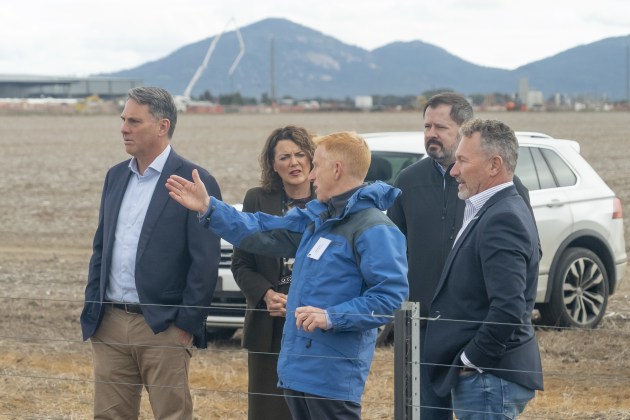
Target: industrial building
27,86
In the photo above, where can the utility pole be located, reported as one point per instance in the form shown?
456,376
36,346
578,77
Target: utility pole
273,72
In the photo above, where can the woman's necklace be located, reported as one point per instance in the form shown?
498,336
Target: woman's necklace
288,203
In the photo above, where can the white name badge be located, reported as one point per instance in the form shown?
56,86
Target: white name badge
319,248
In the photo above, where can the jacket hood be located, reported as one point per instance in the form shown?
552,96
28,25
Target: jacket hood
378,194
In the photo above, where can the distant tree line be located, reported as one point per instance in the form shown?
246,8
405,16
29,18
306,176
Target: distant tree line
380,102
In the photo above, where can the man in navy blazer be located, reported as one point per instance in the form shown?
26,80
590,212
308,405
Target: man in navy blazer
152,273
480,342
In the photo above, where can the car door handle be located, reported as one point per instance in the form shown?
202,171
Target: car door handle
555,203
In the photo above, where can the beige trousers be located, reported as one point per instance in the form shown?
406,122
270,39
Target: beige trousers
128,356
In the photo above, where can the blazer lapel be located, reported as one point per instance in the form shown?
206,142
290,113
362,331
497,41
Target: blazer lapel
455,250
158,201
113,204
471,225
111,211
274,202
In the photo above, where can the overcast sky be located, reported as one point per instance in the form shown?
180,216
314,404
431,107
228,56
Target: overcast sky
79,37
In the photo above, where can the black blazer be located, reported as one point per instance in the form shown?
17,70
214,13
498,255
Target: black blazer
177,259
430,214
490,276
255,274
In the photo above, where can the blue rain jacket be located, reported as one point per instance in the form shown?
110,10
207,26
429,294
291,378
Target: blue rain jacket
353,266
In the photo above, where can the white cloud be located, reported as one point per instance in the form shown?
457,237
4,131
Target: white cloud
65,37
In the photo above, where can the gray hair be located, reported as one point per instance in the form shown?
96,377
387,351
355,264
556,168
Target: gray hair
461,110
496,139
160,102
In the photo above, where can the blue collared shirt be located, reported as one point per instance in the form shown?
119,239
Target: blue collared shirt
442,170
133,209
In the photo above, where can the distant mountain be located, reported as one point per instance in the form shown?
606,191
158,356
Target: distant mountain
311,64
597,68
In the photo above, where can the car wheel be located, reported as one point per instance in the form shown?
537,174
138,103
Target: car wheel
580,291
220,334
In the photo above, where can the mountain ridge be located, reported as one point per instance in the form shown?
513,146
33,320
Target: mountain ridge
311,64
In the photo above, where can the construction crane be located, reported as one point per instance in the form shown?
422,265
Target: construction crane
184,99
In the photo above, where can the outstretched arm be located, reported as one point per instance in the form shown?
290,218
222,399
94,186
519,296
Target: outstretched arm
192,195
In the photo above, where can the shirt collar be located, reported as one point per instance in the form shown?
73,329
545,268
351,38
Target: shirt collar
157,165
439,167
478,200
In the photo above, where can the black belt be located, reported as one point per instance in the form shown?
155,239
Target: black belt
130,308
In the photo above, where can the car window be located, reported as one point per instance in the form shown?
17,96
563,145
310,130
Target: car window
526,170
386,166
545,177
565,177
541,168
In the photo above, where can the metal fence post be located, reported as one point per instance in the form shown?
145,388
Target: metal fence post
407,362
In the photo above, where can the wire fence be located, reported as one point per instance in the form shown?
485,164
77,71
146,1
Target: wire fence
56,366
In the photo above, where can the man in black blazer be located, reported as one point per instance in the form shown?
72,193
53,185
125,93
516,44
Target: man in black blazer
430,214
480,343
152,273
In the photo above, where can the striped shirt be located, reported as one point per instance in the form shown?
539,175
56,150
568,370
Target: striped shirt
476,202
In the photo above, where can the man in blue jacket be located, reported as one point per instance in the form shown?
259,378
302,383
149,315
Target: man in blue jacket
350,273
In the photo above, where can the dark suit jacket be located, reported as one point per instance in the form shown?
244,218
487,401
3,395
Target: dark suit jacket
430,214
255,274
177,259
490,276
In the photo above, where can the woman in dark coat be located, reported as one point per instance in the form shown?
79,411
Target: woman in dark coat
286,160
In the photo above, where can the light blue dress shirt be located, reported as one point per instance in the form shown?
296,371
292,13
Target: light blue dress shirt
133,209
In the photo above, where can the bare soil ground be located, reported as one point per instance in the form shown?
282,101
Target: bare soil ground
53,170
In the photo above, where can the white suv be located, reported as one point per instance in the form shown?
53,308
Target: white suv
579,220
227,312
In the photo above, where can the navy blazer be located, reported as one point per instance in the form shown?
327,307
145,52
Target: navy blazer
485,297
177,259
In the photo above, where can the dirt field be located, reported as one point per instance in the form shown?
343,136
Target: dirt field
53,170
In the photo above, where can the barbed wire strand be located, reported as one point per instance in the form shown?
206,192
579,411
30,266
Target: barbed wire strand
387,316
547,373
235,392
